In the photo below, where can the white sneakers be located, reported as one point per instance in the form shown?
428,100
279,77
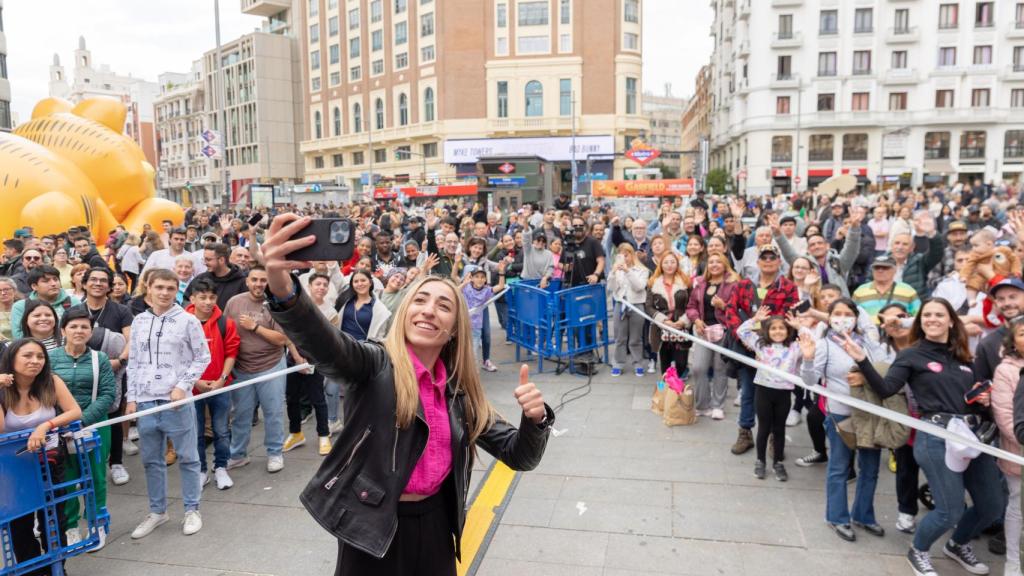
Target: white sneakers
206,478
129,448
118,475
148,525
906,523
335,427
718,414
102,533
275,463
651,367
489,366
73,536
193,523
793,419
223,480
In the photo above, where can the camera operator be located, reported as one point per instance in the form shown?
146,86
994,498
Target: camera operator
584,255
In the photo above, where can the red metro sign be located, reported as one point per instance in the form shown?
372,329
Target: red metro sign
641,153
507,168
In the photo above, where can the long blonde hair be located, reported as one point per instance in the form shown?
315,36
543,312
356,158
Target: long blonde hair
458,359
678,276
728,274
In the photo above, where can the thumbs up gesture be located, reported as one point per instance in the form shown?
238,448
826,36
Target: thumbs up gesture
529,397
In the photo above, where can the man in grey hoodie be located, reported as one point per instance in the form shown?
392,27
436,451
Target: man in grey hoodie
168,355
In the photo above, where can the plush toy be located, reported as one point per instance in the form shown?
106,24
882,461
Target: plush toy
1002,260
72,166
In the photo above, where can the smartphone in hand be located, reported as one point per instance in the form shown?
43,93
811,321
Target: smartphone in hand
971,396
335,241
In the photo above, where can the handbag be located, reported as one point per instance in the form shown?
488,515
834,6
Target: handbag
679,408
847,431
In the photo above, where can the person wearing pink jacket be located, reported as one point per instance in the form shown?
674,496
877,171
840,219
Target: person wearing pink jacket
1004,384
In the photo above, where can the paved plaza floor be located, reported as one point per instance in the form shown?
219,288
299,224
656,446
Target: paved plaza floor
618,494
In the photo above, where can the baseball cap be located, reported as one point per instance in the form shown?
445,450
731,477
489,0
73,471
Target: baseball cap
884,260
540,235
768,248
1011,281
959,456
956,226
788,220
22,233
474,269
395,271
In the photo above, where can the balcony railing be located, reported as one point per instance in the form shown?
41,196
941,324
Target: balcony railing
936,153
787,39
972,153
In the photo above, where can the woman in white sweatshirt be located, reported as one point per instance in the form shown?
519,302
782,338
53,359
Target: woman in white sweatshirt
628,281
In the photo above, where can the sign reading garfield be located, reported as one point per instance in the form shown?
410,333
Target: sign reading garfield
641,153
630,188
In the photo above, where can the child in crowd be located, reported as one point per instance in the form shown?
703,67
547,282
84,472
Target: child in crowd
476,291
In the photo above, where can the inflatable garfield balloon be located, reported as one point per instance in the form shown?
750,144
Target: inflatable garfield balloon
72,166
1002,259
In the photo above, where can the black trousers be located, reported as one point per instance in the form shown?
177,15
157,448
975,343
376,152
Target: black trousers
816,426
310,386
772,407
907,472
423,546
23,539
117,430
800,399
670,352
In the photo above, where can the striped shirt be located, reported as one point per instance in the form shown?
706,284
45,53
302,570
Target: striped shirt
872,301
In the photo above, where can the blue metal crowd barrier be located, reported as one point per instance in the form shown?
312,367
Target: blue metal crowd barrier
557,323
28,488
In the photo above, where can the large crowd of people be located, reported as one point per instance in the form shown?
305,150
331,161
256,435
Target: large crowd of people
909,298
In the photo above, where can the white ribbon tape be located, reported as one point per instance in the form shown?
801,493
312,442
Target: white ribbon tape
489,302
919,425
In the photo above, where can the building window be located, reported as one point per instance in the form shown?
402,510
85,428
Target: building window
826,102
335,78
821,148
630,41
430,150
565,9
315,84
784,68
861,62
972,145
785,26
314,33
828,22
534,98
861,102
855,147
533,45
377,67
353,47
949,16
427,53
826,64
314,59
318,125
1018,58
897,101
332,25
403,153
981,98
377,40
631,12
379,113
899,59
1018,16
428,105
335,53
357,158
565,96
376,11
564,43
353,19
337,160
403,110
936,145
863,20
982,55
943,98
947,56
402,61
533,13
782,105
901,21
401,33
631,95
427,25
336,115
502,99
401,6
1013,146
355,73
1017,98
502,15
357,120
318,162
782,148
984,14
380,155
314,8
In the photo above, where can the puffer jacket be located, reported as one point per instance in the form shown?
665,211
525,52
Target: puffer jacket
1004,386
354,495
77,375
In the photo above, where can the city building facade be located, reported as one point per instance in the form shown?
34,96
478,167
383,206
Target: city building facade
90,81
419,90
696,127
664,114
919,92
5,84
184,172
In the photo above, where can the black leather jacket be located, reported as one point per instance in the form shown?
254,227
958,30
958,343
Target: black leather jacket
354,495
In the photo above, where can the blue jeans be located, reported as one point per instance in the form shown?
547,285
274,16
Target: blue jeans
220,407
745,375
271,395
980,480
837,509
179,426
332,393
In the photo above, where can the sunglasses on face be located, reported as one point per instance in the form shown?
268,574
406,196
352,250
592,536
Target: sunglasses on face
768,256
32,258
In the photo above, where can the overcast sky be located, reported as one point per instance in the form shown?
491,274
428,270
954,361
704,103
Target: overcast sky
146,38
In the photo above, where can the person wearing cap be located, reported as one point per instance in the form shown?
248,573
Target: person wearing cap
956,238
883,289
938,372
477,291
1007,295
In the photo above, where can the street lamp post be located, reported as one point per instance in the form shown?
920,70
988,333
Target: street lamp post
575,176
221,95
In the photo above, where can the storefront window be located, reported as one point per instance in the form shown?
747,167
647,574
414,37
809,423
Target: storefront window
972,145
821,148
782,149
936,146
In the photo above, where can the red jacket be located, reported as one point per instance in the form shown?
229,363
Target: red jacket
221,347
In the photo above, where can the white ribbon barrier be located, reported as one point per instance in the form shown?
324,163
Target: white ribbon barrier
489,302
203,396
919,425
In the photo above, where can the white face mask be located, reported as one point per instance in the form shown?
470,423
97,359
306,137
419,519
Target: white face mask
842,324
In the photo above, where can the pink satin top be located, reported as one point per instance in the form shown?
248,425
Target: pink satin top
436,461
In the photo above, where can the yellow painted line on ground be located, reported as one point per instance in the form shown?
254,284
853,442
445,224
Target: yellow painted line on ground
482,514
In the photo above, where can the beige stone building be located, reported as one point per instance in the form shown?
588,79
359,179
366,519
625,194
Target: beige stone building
392,86
184,172
697,123
665,117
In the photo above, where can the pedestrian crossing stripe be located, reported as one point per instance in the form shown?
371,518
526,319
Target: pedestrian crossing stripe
483,517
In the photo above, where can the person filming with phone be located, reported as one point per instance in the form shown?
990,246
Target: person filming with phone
393,490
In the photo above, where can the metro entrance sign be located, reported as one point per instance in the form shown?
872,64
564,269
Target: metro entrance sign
507,168
796,180
641,153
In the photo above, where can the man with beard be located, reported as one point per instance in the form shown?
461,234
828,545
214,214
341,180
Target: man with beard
587,260
1008,300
